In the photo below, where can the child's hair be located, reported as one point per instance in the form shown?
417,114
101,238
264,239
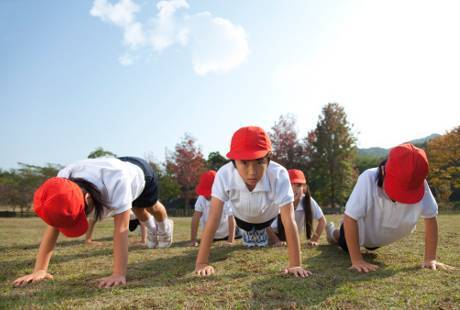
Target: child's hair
98,201
381,173
306,205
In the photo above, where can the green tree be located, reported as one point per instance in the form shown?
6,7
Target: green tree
334,150
444,157
215,161
100,152
169,189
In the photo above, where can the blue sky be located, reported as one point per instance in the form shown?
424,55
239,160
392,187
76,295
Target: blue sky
133,76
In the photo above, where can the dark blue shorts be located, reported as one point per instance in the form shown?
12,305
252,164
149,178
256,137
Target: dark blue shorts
249,226
149,195
343,242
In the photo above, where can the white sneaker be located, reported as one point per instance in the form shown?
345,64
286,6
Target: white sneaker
165,238
330,228
152,238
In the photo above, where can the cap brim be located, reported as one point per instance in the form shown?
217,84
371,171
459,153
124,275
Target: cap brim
298,181
398,193
247,155
79,227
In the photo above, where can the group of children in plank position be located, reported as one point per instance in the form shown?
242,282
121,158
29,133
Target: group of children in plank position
251,197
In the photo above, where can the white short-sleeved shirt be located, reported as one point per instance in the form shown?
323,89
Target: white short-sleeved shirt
202,205
300,214
263,202
380,220
119,182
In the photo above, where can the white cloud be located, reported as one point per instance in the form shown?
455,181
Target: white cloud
120,14
217,45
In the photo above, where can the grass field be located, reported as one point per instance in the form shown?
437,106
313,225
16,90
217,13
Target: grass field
244,279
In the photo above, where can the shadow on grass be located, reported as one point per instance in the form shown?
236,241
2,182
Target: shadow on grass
60,243
330,273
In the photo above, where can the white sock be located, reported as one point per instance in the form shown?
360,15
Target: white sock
161,225
150,223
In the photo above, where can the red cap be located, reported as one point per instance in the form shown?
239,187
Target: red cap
249,143
205,185
296,176
405,173
60,203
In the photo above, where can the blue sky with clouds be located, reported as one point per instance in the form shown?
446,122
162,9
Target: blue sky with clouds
133,76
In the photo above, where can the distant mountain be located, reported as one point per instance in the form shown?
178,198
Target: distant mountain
381,152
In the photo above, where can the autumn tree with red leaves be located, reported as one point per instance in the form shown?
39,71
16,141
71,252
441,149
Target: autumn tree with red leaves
185,165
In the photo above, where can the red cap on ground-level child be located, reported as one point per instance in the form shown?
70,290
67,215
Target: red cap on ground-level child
296,176
204,187
249,143
60,203
405,173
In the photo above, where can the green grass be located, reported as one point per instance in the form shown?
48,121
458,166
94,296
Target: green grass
244,279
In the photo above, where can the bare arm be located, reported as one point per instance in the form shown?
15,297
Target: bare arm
231,229
352,238
201,266
194,227
43,258
293,243
120,252
319,230
431,243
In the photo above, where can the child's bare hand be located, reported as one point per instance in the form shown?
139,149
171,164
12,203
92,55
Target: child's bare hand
193,243
36,276
298,272
363,266
279,244
312,244
434,265
93,243
204,270
113,280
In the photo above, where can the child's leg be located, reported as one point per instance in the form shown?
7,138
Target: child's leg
143,234
165,226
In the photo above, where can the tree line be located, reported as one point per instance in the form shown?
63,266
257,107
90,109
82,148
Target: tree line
327,154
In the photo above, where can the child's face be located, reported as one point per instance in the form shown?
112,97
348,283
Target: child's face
251,171
297,188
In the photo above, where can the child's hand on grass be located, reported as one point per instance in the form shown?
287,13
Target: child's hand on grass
204,270
193,243
36,276
434,265
297,271
112,281
279,244
363,266
312,244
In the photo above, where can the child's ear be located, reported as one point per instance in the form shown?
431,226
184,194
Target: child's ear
88,199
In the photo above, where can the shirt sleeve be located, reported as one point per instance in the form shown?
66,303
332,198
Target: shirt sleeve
218,187
284,193
356,206
316,210
120,193
199,206
429,204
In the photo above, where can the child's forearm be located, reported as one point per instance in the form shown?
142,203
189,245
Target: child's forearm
292,235
319,229
272,236
120,243
231,229
431,238
352,238
45,251
194,226
208,234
